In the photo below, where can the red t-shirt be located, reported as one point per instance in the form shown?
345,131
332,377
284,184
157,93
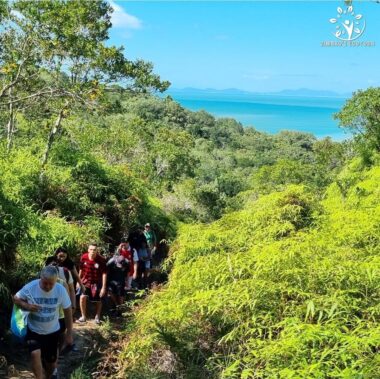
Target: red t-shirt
92,270
130,255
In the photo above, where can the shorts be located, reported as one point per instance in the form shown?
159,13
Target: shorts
117,288
47,343
92,292
141,268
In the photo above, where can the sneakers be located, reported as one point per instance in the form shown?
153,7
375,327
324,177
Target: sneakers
73,348
81,320
69,348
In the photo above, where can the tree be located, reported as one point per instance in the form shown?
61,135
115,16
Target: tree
57,48
171,154
361,115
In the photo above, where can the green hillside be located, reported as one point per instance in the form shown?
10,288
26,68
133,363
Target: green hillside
285,288
89,152
274,239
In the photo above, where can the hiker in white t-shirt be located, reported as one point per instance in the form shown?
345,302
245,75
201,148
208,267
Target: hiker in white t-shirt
43,298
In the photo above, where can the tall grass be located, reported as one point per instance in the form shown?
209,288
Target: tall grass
289,287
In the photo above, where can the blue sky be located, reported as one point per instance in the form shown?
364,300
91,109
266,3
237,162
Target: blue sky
253,45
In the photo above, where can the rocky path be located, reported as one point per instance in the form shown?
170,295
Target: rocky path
97,345
91,341
15,358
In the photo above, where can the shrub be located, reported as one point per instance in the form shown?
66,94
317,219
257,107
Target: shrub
285,288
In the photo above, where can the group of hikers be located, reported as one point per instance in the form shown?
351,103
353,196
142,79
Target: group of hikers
51,299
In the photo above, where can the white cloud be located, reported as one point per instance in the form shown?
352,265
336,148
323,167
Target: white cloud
121,19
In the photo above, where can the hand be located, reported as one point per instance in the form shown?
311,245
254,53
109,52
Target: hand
83,288
33,308
102,292
69,338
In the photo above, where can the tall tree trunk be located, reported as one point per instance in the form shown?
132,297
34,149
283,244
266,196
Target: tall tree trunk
53,132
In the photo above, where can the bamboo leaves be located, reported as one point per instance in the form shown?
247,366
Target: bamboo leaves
302,304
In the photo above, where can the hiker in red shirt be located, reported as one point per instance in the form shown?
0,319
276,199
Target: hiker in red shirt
131,256
93,274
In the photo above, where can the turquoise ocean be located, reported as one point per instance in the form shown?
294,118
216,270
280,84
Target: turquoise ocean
272,113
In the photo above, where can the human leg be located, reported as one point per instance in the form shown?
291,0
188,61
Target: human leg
37,364
120,293
83,306
121,300
112,291
49,369
99,305
62,329
140,274
33,341
129,281
49,352
148,266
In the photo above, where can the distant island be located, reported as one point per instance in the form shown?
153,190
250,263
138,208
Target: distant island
303,109
301,92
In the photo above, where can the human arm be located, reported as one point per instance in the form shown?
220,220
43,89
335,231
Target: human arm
154,240
135,259
70,283
80,284
65,302
104,284
23,304
72,295
135,270
110,261
69,325
70,290
77,277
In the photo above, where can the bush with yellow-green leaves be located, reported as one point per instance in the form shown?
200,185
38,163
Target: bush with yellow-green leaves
288,287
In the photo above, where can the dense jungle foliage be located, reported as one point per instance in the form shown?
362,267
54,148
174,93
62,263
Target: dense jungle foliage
273,271
287,287
88,151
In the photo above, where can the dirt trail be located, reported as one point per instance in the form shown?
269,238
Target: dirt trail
89,338
96,344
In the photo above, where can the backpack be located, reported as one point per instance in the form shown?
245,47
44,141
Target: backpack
19,320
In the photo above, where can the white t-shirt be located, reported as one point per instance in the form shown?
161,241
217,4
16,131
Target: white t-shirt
45,321
61,275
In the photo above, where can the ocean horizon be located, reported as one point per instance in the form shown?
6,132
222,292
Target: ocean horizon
271,113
